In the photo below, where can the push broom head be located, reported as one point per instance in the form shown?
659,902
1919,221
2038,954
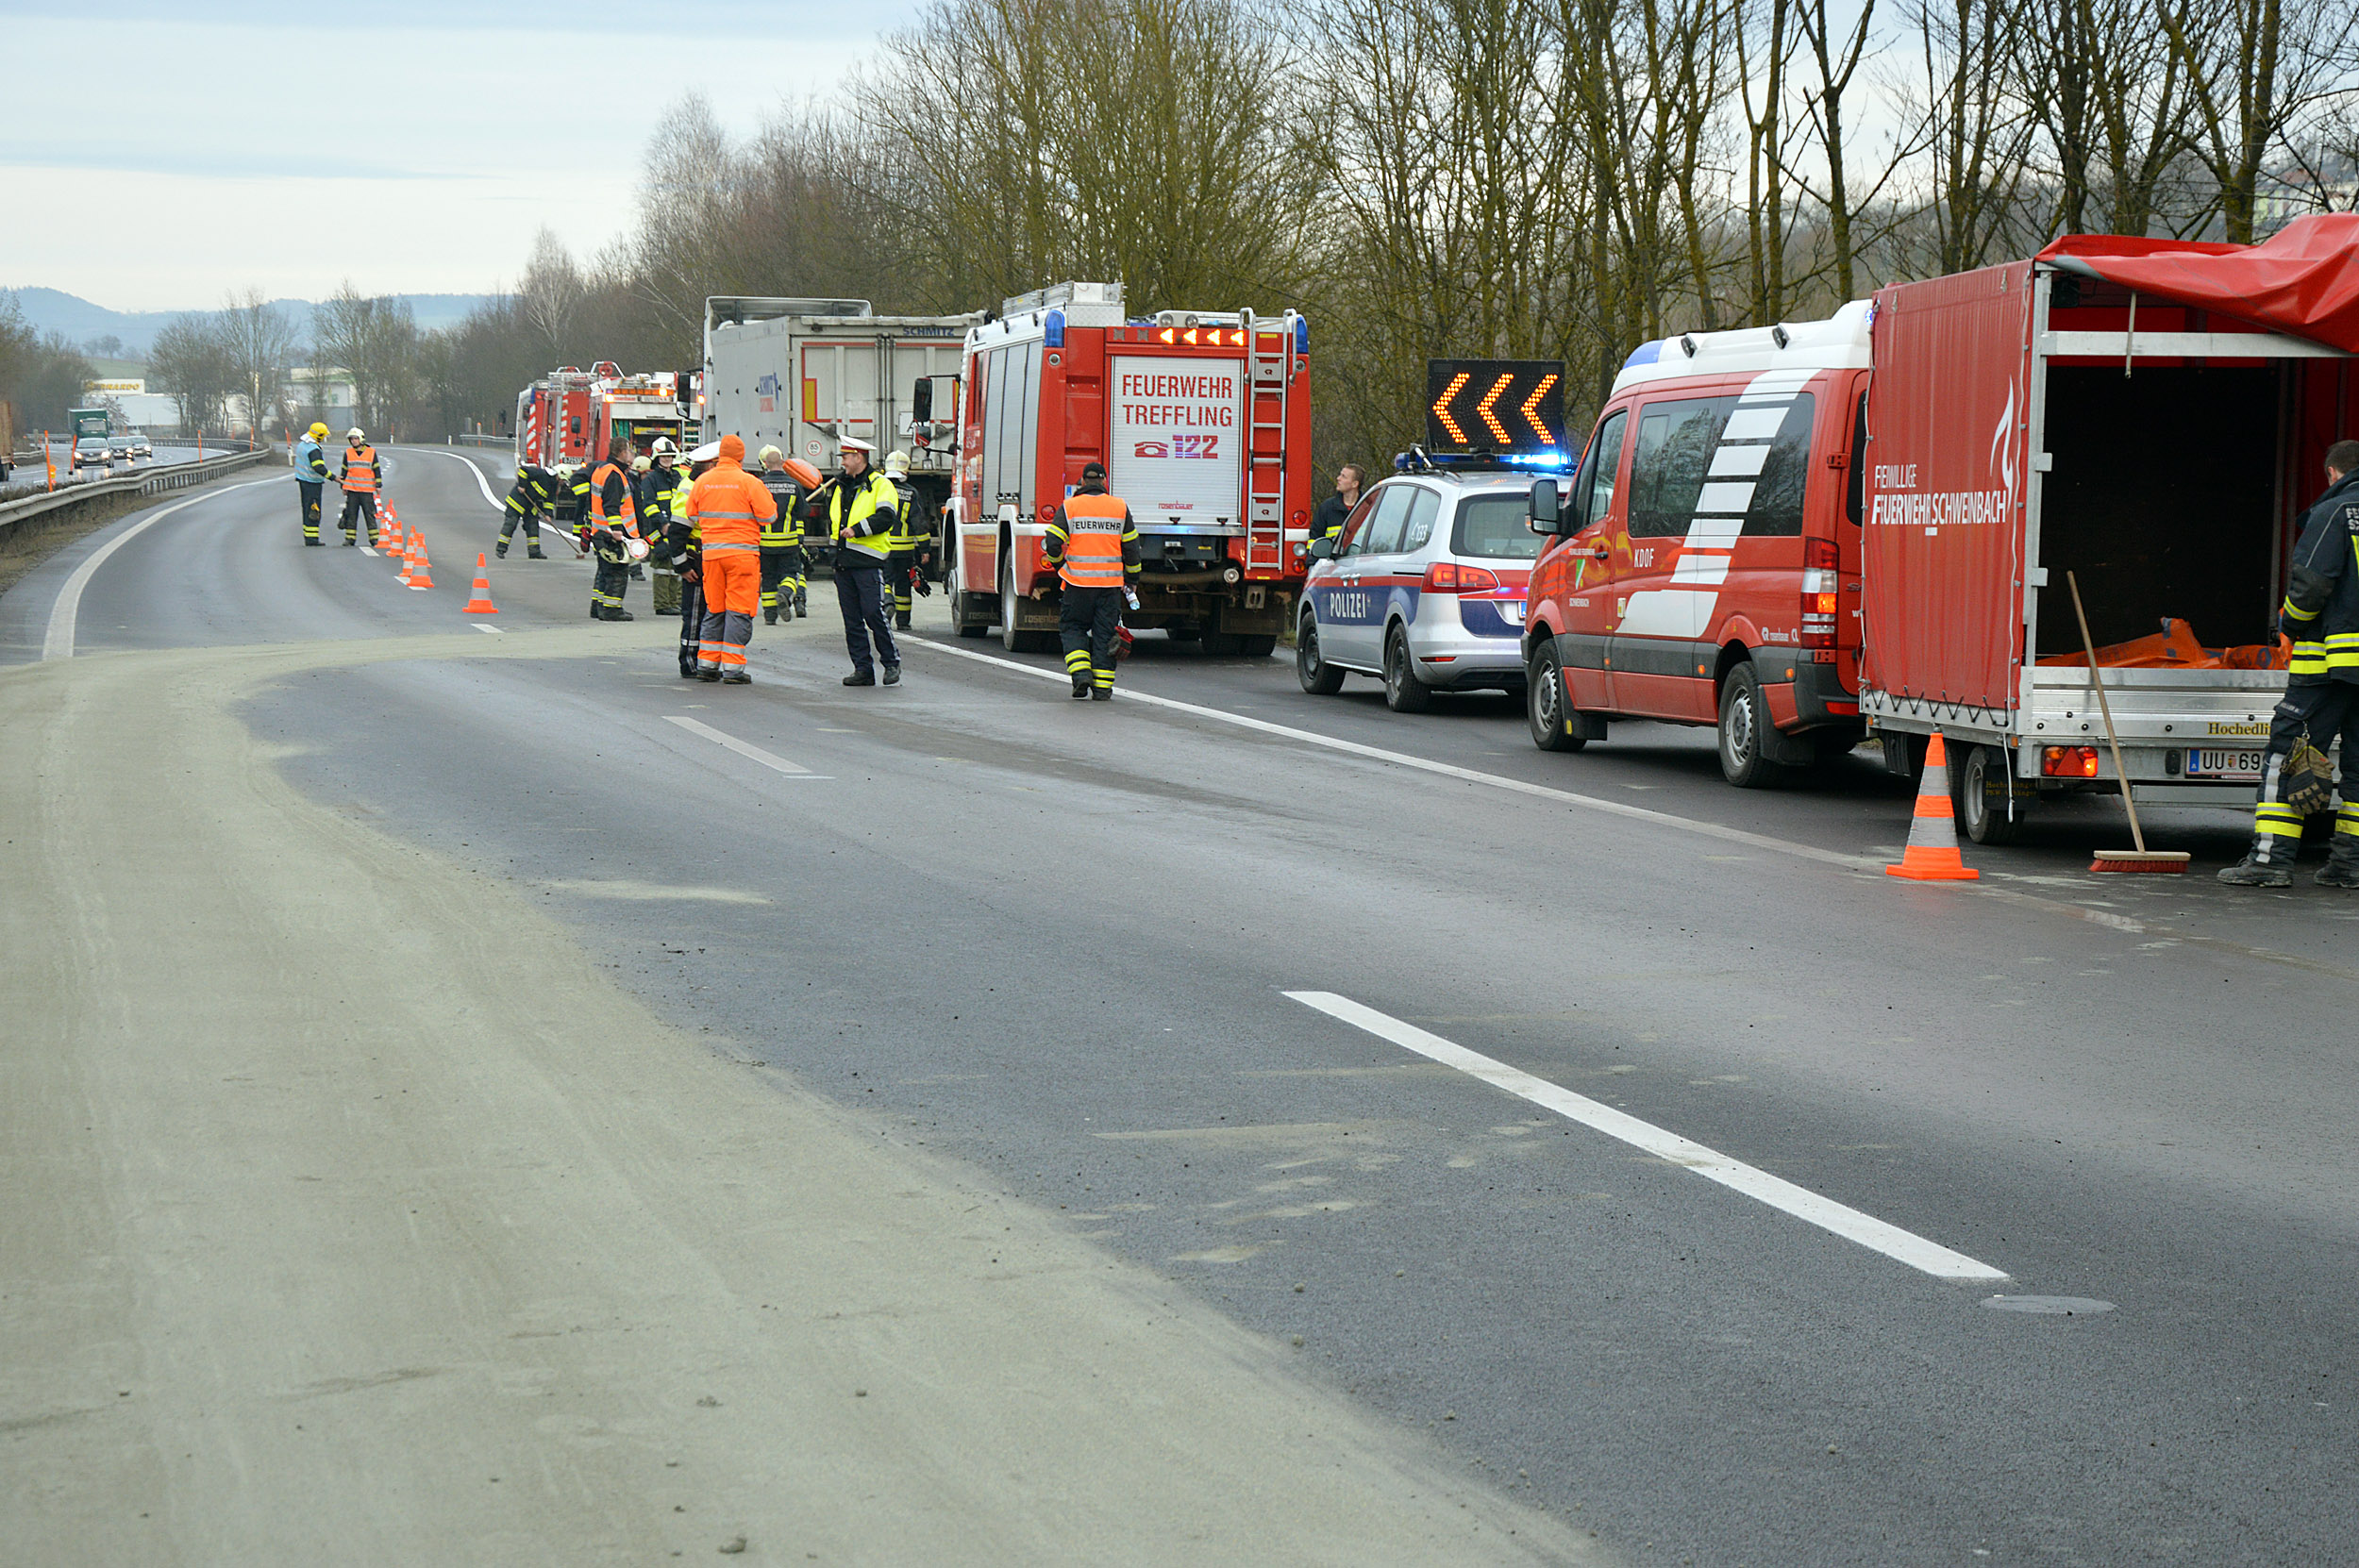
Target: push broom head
2149,863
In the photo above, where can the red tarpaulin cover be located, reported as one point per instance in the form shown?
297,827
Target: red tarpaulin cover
2303,280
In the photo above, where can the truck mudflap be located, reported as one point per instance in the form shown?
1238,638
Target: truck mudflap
1801,692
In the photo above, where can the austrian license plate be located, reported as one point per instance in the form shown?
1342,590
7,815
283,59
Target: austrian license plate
2237,762
1512,611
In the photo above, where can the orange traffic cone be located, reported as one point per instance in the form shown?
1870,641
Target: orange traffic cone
408,560
421,572
479,601
1931,855
391,535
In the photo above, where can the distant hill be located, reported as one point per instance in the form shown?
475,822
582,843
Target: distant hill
81,321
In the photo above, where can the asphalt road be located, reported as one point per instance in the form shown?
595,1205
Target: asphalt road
1099,967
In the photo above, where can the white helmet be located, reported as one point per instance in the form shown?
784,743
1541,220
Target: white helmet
769,454
354,434
664,447
897,464
639,465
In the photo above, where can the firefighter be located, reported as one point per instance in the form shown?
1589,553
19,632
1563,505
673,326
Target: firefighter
577,477
679,546
908,537
861,509
613,523
659,486
535,491
361,477
729,506
1093,544
1328,521
781,540
311,472
2321,615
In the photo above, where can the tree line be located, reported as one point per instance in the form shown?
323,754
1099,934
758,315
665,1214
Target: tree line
1528,179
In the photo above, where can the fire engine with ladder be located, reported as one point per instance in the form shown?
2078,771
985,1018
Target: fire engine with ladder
573,415
1203,421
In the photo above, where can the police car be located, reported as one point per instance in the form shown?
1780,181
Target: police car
1423,587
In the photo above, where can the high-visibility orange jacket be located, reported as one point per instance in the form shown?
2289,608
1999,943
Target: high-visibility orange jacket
361,473
610,499
729,505
1092,540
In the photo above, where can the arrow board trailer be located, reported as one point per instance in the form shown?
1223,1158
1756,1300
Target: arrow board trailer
1203,422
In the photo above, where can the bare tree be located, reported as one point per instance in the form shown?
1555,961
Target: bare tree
260,342
193,364
551,291
1974,132
373,340
2256,71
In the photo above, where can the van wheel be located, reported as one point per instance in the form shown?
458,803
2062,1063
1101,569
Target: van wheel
1982,797
1403,692
1743,726
1547,704
1319,677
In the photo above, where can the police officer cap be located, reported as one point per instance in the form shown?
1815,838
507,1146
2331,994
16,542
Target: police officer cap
709,452
1092,471
853,444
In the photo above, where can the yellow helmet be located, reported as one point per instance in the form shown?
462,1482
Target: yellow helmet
317,431
897,464
768,455
639,465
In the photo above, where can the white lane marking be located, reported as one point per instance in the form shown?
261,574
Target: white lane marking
368,549
493,630
768,759
57,642
1497,781
1778,1193
481,482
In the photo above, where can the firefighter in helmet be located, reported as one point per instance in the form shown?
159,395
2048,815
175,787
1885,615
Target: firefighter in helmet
911,536
1093,544
781,540
535,491
613,521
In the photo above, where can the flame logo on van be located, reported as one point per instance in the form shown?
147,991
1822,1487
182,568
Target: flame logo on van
2002,450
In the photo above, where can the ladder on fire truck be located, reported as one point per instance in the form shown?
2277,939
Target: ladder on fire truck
1270,358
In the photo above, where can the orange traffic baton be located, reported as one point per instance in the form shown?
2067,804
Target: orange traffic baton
1931,855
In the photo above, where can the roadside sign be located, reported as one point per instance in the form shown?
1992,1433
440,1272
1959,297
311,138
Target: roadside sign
1508,407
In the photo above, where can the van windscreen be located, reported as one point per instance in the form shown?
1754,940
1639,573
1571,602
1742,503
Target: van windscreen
1494,528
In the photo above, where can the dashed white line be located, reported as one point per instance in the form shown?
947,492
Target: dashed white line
493,630
1841,1219
768,759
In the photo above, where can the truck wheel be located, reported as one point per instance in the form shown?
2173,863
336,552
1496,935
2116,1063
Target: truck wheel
1981,776
1744,722
1011,639
1319,677
1547,703
1257,645
1222,645
1403,692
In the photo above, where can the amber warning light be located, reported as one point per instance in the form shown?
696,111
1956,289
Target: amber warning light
1507,407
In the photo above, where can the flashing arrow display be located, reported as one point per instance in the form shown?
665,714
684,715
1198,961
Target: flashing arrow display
1511,406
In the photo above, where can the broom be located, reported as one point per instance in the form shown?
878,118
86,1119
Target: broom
2158,862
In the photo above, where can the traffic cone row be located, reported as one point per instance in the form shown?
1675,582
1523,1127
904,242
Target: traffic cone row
389,536
1931,855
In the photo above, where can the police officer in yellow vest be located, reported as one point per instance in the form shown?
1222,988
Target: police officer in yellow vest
861,509
362,476
1093,544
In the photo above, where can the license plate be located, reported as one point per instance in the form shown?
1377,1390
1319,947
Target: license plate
1512,611
2204,763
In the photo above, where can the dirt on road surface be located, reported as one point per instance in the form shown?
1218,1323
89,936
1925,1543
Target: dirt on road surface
356,1217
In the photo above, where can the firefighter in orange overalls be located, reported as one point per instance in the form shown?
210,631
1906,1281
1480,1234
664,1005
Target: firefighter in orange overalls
361,477
1093,544
727,507
613,525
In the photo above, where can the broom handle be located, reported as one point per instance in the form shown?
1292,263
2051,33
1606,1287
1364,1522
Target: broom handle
2137,835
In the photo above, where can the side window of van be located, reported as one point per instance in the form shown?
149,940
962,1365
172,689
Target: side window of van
1381,536
1421,515
1676,440
1349,534
1593,492
1776,511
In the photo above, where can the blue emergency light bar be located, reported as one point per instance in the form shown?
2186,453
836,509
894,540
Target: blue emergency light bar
1418,461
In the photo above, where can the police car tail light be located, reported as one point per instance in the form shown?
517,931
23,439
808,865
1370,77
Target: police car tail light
1821,593
2068,761
1449,577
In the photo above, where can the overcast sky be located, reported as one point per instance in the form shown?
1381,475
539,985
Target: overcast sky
165,153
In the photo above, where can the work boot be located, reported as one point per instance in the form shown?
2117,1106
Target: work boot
770,616
597,612
532,554
1102,694
707,672
500,549
893,675
737,678
900,620
861,677
350,542
1080,688
314,544
620,615
2252,873
802,603
2342,863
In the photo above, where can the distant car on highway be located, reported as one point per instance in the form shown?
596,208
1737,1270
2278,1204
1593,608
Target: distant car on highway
1423,588
141,447
93,452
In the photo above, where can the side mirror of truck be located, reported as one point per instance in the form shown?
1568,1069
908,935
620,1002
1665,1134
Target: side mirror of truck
922,400
1323,548
1545,508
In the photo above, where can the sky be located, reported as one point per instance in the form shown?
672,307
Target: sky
170,153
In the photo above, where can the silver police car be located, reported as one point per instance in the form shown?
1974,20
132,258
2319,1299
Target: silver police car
1423,588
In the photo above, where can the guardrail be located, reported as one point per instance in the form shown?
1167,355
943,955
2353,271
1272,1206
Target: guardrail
482,441
155,481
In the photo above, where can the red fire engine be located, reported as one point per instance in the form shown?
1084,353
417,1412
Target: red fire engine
573,415
1203,422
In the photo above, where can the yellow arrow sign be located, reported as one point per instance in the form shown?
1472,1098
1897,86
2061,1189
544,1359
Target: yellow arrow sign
1440,408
